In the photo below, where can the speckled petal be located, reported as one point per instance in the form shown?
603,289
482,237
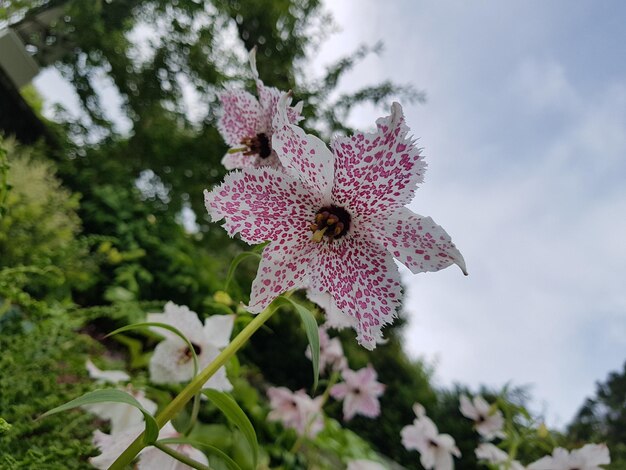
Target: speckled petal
232,161
240,116
418,242
262,204
378,172
363,280
284,266
335,318
303,155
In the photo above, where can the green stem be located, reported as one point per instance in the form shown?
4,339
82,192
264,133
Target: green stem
181,457
195,385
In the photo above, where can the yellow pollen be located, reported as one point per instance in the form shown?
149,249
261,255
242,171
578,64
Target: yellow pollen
319,234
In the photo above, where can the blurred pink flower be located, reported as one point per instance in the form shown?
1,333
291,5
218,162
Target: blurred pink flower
589,457
488,422
331,352
246,124
335,221
496,456
436,450
359,391
296,410
172,360
111,447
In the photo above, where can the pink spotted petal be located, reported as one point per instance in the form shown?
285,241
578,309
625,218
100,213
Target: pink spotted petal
363,280
378,172
303,155
232,161
262,204
284,266
418,242
240,116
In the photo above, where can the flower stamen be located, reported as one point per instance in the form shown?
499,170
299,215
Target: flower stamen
330,221
258,145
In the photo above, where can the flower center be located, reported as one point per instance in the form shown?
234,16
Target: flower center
187,356
258,145
331,222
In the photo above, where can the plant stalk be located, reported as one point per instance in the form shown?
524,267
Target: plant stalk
194,387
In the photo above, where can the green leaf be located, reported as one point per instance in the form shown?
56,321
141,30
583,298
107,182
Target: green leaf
111,396
143,325
235,415
312,334
236,262
201,445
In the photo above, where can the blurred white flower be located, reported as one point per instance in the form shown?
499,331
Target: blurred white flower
112,376
331,352
365,465
121,415
488,422
111,447
172,360
359,392
589,457
496,456
436,450
296,410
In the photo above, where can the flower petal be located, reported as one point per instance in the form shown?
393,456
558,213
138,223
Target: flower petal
378,172
303,155
335,318
218,328
240,116
284,266
418,242
234,160
181,318
363,280
262,204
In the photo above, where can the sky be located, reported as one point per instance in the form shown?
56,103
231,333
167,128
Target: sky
524,132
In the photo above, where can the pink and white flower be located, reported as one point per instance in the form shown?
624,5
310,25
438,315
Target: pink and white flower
588,457
496,456
487,421
172,360
335,220
359,391
436,450
331,352
246,124
296,410
111,447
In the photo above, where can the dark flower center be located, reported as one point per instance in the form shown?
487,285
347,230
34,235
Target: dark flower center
197,349
331,222
432,443
258,145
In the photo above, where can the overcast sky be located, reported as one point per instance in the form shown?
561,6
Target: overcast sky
524,132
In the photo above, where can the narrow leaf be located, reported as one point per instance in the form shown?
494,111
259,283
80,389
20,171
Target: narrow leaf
143,325
111,396
235,415
236,262
207,447
312,333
